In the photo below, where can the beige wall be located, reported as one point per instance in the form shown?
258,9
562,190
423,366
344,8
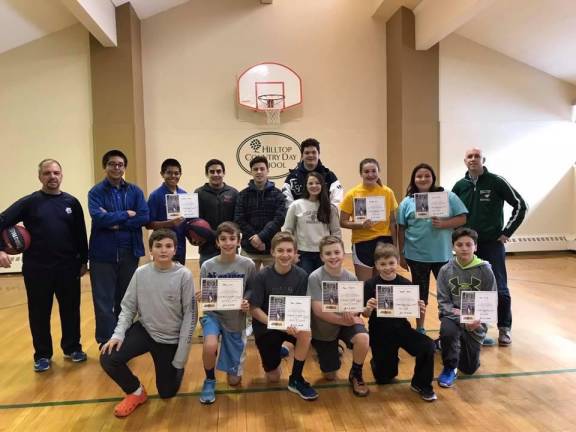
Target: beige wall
45,111
193,53
520,117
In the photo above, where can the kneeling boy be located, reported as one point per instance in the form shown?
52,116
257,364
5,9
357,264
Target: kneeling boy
388,335
162,294
466,272
281,278
329,327
230,325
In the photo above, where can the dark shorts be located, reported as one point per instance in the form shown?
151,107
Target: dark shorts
327,351
363,252
269,345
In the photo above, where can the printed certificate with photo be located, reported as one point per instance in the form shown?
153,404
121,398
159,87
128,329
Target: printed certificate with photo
222,294
397,301
431,204
289,311
479,305
372,208
342,296
182,205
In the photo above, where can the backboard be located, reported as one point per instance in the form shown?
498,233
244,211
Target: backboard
261,83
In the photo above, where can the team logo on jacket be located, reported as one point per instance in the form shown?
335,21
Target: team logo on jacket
485,194
295,186
281,150
68,210
457,286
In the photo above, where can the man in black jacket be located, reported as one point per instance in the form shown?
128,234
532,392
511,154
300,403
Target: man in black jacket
216,202
53,264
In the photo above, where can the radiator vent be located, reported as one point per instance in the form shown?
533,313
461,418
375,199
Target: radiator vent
541,242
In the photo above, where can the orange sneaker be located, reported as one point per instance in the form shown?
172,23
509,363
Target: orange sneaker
130,403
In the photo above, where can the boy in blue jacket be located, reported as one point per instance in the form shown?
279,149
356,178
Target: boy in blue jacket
119,211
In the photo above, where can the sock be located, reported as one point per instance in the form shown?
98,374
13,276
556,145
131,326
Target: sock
356,370
297,368
138,391
210,374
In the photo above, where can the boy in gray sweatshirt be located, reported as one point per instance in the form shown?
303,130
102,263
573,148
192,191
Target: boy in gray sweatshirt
466,272
161,293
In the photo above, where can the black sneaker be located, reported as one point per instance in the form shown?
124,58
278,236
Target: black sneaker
427,395
302,388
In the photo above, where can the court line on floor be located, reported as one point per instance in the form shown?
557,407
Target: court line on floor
340,384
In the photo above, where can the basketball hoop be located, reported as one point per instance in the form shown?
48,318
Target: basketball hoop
272,105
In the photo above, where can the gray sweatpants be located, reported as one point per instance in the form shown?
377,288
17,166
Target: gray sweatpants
459,348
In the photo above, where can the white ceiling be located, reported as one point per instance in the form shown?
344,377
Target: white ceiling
22,21
541,33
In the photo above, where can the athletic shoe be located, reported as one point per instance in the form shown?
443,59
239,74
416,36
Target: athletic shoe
421,330
284,352
76,356
130,403
41,365
488,342
428,396
208,394
302,388
447,378
504,338
359,387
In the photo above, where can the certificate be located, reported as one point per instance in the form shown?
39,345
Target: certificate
479,305
182,205
431,204
342,296
397,301
222,294
289,311
372,208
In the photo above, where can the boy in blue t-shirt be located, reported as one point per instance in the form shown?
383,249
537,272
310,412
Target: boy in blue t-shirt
171,171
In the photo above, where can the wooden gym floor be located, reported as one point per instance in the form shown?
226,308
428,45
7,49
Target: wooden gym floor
530,386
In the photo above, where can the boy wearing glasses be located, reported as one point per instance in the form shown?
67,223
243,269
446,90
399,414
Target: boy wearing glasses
119,211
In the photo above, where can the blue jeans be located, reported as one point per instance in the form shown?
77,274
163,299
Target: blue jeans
495,253
109,282
309,261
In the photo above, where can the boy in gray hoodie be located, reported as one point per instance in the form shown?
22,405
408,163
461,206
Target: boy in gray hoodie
465,272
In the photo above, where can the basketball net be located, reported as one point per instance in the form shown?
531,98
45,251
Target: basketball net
272,105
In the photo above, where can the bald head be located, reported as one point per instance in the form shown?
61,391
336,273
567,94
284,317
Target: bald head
474,161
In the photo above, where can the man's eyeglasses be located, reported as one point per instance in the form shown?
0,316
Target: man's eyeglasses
116,165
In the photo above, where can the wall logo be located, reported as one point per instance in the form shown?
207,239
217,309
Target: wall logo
281,150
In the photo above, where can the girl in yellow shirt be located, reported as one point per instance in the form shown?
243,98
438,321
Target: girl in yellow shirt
355,215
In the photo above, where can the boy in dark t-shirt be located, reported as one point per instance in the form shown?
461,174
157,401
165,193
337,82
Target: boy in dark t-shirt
281,278
388,335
